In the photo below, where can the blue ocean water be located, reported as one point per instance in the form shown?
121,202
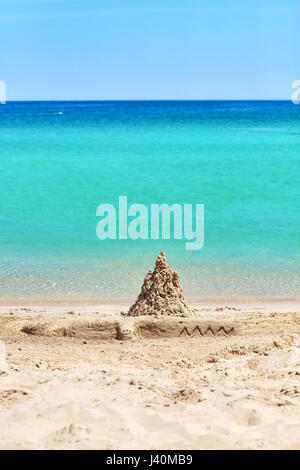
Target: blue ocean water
60,160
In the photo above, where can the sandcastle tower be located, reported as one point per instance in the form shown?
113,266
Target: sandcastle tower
161,293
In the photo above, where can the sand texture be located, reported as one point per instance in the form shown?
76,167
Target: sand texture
72,378
161,293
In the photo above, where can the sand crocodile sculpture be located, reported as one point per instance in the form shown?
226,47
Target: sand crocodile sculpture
160,311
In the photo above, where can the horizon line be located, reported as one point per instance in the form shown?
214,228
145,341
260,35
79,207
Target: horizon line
143,100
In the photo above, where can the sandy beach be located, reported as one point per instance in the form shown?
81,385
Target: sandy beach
208,391
149,227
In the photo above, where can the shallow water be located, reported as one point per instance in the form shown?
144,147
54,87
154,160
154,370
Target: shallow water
60,160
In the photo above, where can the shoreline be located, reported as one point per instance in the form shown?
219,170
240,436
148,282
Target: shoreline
216,308
116,306
32,301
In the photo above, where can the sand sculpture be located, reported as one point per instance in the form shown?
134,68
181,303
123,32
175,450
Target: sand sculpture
160,311
161,293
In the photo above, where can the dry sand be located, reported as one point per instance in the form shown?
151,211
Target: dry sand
67,387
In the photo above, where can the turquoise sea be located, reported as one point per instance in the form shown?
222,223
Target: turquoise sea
60,160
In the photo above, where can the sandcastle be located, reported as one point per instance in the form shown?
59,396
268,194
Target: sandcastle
160,311
161,293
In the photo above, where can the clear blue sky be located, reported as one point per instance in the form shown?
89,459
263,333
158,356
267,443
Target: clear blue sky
149,49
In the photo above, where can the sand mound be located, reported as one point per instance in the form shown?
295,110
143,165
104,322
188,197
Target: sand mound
104,328
161,293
